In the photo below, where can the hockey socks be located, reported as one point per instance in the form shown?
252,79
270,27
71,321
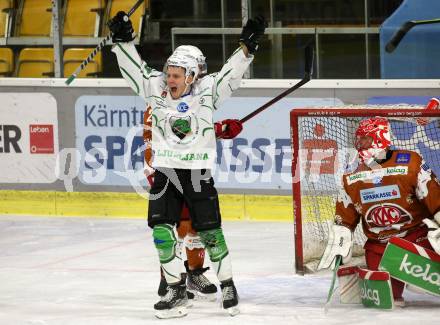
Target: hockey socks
215,244
165,242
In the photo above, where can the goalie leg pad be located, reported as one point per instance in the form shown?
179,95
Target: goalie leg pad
373,255
349,289
375,287
412,264
193,242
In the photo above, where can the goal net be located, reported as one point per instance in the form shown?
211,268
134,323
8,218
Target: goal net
322,145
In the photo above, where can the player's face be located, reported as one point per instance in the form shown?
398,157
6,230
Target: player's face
176,81
364,142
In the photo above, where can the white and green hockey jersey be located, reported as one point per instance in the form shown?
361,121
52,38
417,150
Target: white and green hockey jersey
194,111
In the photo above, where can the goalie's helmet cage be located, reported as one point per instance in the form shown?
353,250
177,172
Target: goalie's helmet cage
378,129
185,61
197,54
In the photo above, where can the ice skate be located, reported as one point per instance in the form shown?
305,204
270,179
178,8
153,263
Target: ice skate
163,289
163,286
230,297
200,286
173,304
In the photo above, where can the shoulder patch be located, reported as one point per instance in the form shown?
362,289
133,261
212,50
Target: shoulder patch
403,158
425,167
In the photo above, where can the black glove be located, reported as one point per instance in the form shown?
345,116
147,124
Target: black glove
121,27
252,32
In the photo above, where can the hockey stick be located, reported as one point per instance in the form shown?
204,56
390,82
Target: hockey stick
309,58
332,290
99,47
395,40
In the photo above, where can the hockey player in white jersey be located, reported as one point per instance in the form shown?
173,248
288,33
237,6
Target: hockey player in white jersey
184,145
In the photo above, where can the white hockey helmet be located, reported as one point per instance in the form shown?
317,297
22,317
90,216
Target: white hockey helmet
185,61
197,53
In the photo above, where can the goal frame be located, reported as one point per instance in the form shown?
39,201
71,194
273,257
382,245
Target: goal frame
359,111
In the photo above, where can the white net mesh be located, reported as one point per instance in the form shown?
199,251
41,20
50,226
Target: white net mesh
326,145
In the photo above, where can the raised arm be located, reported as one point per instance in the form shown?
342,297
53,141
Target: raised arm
134,70
229,77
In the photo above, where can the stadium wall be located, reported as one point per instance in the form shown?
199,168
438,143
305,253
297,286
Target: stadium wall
74,151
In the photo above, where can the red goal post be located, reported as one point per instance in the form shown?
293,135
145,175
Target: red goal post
322,141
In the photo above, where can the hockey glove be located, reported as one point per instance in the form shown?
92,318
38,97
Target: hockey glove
433,104
227,129
434,231
340,242
121,27
149,173
252,32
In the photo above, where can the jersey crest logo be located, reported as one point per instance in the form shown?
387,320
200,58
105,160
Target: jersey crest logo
182,107
403,158
387,217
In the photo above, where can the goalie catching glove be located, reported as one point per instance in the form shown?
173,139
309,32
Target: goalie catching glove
434,231
340,242
121,27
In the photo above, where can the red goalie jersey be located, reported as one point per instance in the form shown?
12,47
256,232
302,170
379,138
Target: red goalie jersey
391,199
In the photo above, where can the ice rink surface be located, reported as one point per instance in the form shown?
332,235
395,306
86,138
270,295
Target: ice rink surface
96,271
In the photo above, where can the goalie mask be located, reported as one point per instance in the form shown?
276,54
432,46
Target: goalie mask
197,54
373,138
185,61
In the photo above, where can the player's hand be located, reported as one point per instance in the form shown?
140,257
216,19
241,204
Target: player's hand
149,173
227,129
252,32
150,179
433,104
434,232
121,27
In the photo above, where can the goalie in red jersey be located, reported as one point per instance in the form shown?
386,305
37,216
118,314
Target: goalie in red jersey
390,192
